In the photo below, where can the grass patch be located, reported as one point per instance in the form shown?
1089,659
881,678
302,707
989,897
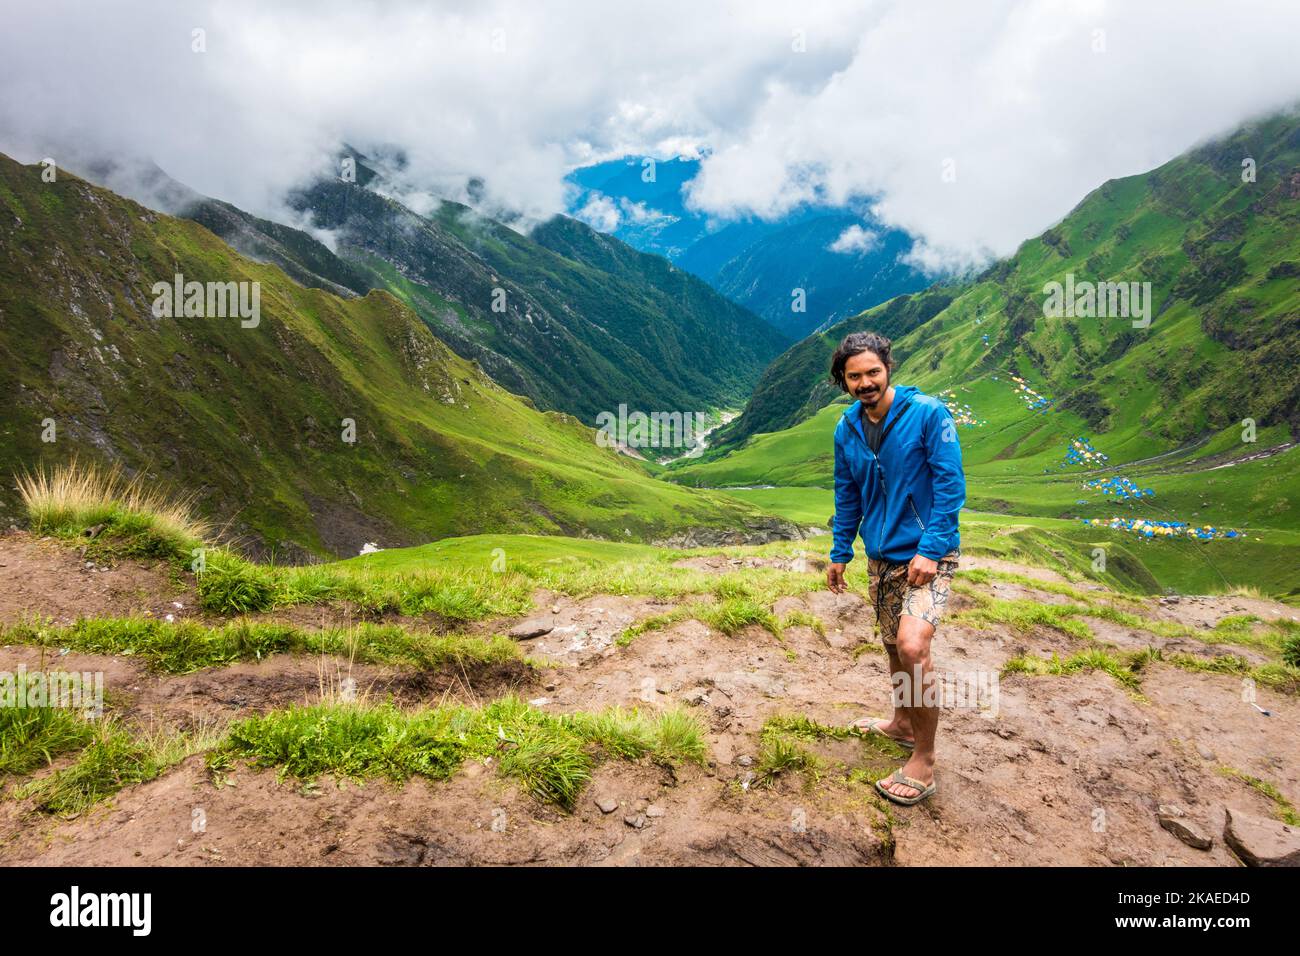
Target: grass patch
31,737
784,748
1291,650
988,576
113,515
229,584
552,756
1282,807
804,619
730,616
1123,668
182,647
113,758
1024,615
1126,668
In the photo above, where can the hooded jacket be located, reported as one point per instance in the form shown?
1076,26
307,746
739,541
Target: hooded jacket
907,498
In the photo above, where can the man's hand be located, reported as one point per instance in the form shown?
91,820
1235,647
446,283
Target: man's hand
835,578
921,570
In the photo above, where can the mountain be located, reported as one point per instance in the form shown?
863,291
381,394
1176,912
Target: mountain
843,259
313,424
577,321
303,258
797,383
1222,257
1193,416
836,282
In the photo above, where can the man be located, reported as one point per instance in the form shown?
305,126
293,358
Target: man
898,475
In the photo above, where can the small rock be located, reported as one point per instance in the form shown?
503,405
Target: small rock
696,696
635,821
606,804
539,701
527,630
745,761
550,687
1205,752
1175,821
1261,842
654,810
555,609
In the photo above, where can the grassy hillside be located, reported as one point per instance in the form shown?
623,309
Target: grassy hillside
795,386
250,421
1223,259
1166,405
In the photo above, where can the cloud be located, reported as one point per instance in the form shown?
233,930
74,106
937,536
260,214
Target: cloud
855,241
972,126
976,126
600,212
515,92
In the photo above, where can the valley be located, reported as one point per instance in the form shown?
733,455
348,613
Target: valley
365,586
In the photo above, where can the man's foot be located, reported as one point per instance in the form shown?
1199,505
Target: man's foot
918,770
893,729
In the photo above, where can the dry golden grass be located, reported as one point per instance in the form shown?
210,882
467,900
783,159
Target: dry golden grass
77,496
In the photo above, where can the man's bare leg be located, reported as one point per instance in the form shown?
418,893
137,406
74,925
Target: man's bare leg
913,652
900,725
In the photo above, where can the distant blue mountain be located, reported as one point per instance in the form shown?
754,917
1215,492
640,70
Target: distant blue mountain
843,259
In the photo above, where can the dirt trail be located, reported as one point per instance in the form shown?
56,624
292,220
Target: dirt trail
40,576
1065,770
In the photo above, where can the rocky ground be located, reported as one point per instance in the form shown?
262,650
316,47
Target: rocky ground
1063,770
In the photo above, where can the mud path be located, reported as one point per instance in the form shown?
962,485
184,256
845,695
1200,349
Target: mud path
1065,770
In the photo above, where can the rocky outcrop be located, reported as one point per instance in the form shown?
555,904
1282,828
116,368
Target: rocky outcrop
758,531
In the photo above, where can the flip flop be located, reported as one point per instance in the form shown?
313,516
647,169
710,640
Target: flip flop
872,728
900,777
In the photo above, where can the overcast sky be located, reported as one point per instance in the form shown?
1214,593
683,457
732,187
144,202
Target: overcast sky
973,124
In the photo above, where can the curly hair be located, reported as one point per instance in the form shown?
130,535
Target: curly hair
855,343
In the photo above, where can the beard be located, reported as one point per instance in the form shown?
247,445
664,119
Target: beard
871,396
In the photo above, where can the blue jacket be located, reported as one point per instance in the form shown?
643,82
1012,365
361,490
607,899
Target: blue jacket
907,499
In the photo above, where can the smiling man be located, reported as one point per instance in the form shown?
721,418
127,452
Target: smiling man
898,478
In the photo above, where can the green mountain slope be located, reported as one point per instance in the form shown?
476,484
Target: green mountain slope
796,384
584,322
251,420
1172,406
1223,260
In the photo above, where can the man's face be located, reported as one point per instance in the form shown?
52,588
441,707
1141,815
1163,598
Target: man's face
867,378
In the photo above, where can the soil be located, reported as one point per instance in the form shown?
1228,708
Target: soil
1064,770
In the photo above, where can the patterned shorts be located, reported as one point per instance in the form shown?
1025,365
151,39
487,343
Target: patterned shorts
892,596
